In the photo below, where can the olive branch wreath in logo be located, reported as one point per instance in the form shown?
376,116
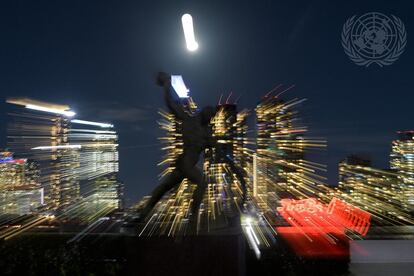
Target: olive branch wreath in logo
387,60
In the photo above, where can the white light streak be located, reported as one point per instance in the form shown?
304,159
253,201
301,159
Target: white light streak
252,241
94,131
250,228
42,196
105,125
188,28
254,175
57,147
251,236
67,113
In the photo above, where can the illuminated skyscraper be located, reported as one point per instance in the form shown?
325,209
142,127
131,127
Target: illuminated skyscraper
280,167
224,164
241,153
20,191
402,160
377,191
99,161
39,131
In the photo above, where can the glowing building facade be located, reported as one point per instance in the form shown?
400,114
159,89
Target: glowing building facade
224,164
402,161
20,191
280,167
375,190
99,162
39,131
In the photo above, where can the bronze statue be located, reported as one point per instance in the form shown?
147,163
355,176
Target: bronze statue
197,136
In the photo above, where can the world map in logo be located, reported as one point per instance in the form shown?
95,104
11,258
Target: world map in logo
374,38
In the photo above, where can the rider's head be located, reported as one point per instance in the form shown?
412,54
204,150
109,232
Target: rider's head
207,113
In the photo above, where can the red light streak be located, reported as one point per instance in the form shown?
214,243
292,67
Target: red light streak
318,229
350,216
337,216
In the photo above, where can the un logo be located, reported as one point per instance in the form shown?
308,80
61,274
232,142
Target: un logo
374,38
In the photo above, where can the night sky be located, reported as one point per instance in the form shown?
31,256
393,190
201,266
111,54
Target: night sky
100,57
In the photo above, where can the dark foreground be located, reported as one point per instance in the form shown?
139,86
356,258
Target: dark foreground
112,254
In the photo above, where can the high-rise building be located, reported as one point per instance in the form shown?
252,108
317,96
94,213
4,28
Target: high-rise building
99,162
39,131
402,161
225,163
374,190
20,191
280,167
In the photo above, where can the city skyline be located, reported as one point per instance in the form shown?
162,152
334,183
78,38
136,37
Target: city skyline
75,161
90,149
214,137
299,129
356,109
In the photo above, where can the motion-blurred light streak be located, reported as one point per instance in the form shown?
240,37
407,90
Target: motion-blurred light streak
188,28
252,238
103,125
57,147
51,110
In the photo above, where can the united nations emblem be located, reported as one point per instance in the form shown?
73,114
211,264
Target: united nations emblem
374,38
